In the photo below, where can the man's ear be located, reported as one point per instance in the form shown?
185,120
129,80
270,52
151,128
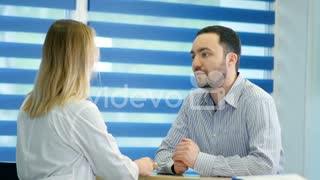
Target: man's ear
232,59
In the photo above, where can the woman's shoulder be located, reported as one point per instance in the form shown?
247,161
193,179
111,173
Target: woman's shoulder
75,111
76,107
80,104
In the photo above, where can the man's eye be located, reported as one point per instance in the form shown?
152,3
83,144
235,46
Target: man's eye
204,54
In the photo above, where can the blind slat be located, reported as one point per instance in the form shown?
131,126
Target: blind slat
137,153
8,128
8,154
134,56
110,104
137,56
177,10
20,50
264,0
117,30
117,129
112,79
59,4
22,24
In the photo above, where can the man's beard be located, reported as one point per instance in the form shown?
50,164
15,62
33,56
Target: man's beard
213,79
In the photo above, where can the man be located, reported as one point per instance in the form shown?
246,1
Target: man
227,127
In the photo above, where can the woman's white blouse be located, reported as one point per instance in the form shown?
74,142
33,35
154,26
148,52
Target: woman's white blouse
70,142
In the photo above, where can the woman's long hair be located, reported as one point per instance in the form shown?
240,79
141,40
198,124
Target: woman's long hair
68,56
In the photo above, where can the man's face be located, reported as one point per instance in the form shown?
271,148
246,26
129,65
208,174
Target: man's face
208,61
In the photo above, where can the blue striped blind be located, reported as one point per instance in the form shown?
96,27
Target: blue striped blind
144,69
59,4
150,41
22,31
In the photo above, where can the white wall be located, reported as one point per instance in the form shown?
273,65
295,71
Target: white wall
290,53
297,89
312,151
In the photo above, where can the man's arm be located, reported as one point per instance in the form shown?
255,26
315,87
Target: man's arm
264,146
178,131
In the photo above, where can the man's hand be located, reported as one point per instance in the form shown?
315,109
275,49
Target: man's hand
186,152
179,167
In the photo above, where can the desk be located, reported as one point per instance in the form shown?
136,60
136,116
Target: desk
186,177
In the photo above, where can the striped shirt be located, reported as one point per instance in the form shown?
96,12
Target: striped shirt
242,137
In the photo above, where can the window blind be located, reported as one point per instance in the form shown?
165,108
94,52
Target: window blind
144,71
22,31
147,50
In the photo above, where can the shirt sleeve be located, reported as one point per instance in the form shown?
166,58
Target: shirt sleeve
264,145
100,148
166,149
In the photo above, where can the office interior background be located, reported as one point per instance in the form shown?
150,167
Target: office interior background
144,70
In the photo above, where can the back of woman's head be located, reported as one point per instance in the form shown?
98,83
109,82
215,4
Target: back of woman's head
68,56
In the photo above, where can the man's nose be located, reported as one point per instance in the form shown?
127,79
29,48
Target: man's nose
196,63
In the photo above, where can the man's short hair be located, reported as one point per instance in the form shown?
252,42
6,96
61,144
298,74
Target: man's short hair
229,40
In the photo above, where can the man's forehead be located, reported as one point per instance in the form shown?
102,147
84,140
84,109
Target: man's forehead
207,40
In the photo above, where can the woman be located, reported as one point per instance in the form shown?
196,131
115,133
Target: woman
61,135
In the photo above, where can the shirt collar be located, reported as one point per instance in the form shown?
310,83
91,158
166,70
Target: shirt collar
232,98
206,98
234,93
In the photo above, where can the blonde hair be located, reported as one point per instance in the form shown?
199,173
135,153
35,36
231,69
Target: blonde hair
68,55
